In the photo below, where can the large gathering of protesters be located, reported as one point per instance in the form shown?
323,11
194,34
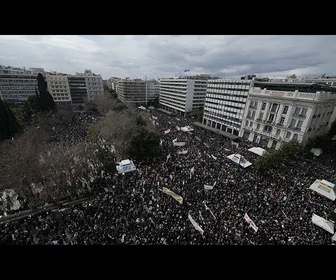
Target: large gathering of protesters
134,210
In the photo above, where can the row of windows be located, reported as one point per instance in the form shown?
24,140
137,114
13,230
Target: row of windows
58,87
233,106
225,102
269,129
16,96
240,100
229,91
61,98
59,90
18,91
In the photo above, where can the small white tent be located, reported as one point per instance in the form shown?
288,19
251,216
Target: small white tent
257,150
323,223
187,128
125,166
242,161
324,188
316,151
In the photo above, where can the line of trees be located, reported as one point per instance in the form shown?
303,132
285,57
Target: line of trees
292,150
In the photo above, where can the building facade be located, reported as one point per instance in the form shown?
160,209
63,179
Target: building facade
58,87
182,96
278,112
17,84
94,84
225,104
78,89
132,91
152,91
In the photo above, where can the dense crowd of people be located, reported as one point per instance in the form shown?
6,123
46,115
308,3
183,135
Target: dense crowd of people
134,209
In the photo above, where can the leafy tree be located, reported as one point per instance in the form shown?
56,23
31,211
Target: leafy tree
273,159
9,124
140,121
45,100
144,144
107,158
332,130
29,109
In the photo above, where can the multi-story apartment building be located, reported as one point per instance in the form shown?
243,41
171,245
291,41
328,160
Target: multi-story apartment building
94,84
225,104
182,95
132,91
58,86
278,112
78,89
17,84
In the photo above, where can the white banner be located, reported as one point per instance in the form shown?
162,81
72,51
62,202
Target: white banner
207,208
183,152
179,144
252,224
172,194
196,225
208,187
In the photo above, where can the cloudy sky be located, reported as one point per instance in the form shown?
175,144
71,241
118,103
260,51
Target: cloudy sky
164,56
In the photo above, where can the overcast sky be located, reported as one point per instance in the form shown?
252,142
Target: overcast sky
164,56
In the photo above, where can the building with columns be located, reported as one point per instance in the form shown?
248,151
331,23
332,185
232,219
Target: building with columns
278,112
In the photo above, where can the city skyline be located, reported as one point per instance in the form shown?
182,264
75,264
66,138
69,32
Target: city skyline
163,56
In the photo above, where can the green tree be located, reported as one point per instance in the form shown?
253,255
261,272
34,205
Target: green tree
45,101
332,130
144,143
9,124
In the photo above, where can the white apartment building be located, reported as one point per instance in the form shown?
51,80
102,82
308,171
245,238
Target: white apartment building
17,84
225,104
58,87
94,84
278,112
182,96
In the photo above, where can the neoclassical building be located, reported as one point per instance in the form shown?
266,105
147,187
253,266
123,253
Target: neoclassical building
278,112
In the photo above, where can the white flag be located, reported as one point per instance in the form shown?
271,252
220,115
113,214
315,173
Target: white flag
207,208
192,171
168,157
167,131
196,225
252,224
208,187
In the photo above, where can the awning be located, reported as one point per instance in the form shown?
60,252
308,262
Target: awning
324,188
323,223
257,150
